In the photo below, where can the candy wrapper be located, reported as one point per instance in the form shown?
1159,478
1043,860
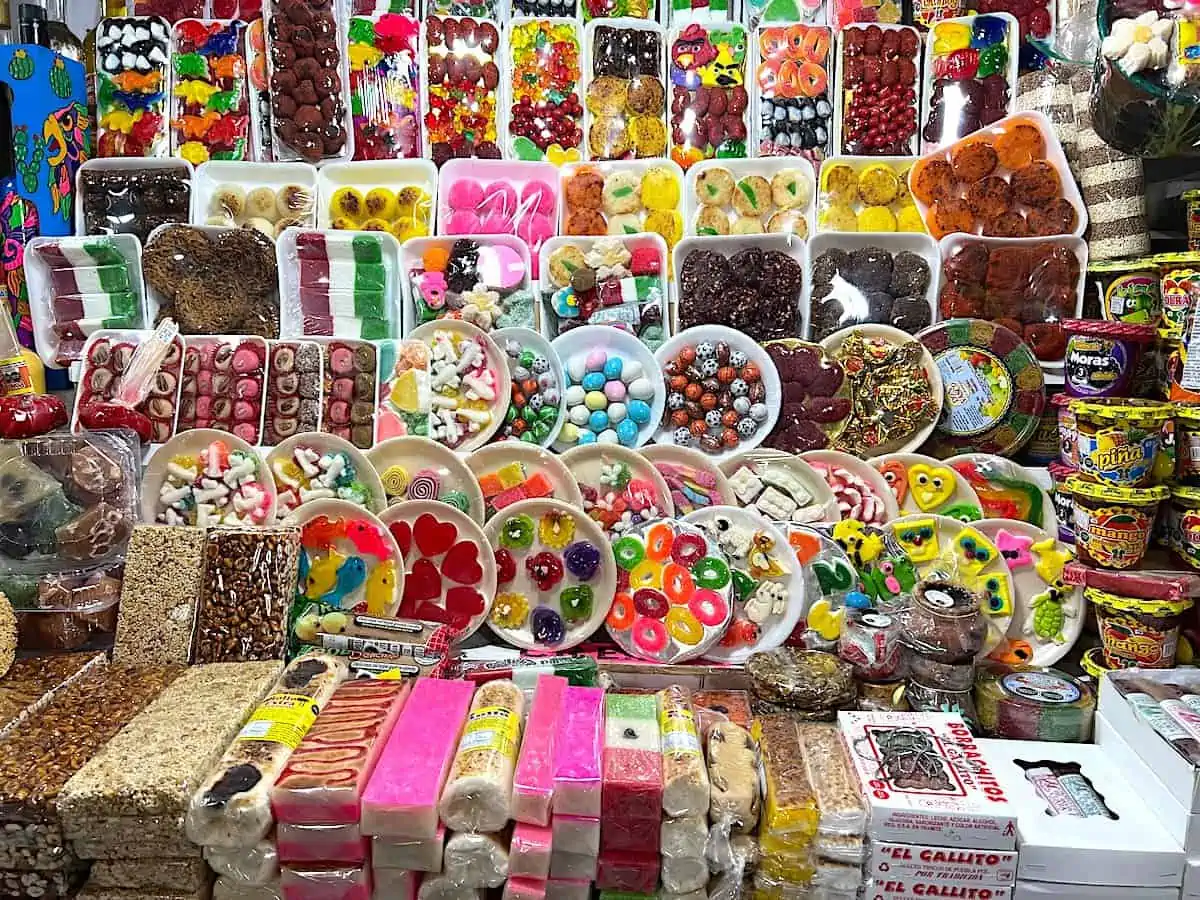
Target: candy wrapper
256,865
533,779
546,113
625,92
462,96
210,109
351,369
833,779
132,80
384,85
269,199
476,860
791,805
709,100
733,773
793,113
685,778
293,394
879,112
222,386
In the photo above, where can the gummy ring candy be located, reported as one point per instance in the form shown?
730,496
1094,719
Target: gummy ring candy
621,615
711,572
709,608
811,80
684,627
544,569
628,551
646,574
547,626
649,602
576,603
517,533
659,539
650,635
688,549
677,583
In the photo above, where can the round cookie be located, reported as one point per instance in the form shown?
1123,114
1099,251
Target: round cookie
648,135
746,225
788,221
668,223
563,262
585,190
624,224
660,189
839,217
607,96
712,220
608,138
878,185
841,183
714,187
586,222
646,96
622,193
752,196
789,189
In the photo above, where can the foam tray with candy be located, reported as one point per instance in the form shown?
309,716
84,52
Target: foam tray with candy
132,85
792,110
730,196
847,12
350,393
625,98
879,81
464,110
544,57
270,197
858,193
384,88
1008,180
293,390
125,196
481,279
622,197
106,356
710,105
223,384
392,195
210,109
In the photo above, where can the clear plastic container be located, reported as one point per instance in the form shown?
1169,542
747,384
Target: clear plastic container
385,83
68,611
132,82
266,196
132,196
461,81
792,107
625,76
545,108
210,107
710,107
106,357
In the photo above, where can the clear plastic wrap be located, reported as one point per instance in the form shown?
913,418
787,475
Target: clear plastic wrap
322,844
119,197
803,679
790,804
793,108
483,280
714,707
462,89
476,860
222,385
106,359
572,866
685,777
293,395
384,85
416,854
31,682
225,888
683,874
636,835
529,851
478,792
686,836
577,757
710,105
132,86
733,773
576,834
182,875
439,887
71,502
256,865
231,814
625,96
834,782
545,119
311,883
249,582
628,870
524,889
400,884
632,779
350,391
401,799
323,781
59,612
210,109
879,118
533,779
266,197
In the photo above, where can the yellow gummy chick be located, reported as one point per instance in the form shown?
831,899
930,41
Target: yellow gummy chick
323,575
381,589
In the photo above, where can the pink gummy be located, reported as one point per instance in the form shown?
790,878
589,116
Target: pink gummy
538,196
499,197
524,889
535,230
402,796
509,497
496,223
462,221
533,780
246,358
633,784
577,757
529,851
466,193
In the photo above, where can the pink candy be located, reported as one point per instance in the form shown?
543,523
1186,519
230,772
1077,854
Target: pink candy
856,498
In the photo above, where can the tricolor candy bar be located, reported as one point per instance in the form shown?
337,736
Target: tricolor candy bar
633,767
81,329
359,329
320,246
63,255
341,273
360,303
325,777
91,279
577,757
67,308
402,796
533,781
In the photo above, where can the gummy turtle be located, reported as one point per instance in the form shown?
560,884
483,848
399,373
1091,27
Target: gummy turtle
1049,614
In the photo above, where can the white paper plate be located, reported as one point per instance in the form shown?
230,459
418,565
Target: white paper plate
587,462
190,443
364,472
532,460
531,340
860,469
823,506
979,469
923,484
416,454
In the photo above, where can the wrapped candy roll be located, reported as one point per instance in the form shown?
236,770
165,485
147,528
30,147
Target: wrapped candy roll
258,864
577,757
685,836
833,779
721,706
396,884
685,778
322,844
476,860
633,763
533,780
682,874
630,834
790,803
230,889
572,866
401,799
478,794
733,775
420,855
529,851
439,887
232,806
576,834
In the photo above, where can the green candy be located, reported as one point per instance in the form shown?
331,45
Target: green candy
526,359
355,493
576,603
992,60
457,499
511,415
362,31
629,551
528,436
539,430
191,65
548,414
517,533
743,584
711,572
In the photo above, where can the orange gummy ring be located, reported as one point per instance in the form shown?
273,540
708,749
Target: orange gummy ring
812,80
773,41
621,615
816,45
678,583
768,75
789,79
659,539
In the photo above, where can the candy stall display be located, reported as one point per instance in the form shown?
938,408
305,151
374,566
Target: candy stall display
625,97
484,280
308,68
861,493
815,402
349,391
675,592
923,484
464,111
692,476
867,194
293,392
545,64
450,575
259,91
206,477
1006,490
117,196
710,104
470,383
222,386
613,394
768,586
1008,180
509,472
77,285
623,197
314,466
619,281
780,487
384,87
269,197
418,468
210,108
555,573
405,399
396,196
537,404
970,76
106,362
879,80
133,83
750,197
620,488
792,109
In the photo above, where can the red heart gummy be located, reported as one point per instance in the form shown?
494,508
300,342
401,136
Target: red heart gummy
422,583
431,612
433,537
462,564
464,601
402,532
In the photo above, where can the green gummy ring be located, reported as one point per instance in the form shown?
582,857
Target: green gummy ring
517,533
629,551
576,603
711,572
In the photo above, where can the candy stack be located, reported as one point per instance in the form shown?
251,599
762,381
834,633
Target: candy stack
789,816
685,794
317,799
631,795
344,285
577,772
839,844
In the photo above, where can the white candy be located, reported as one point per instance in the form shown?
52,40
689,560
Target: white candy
641,389
631,371
577,368
574,395
607,436
617,412
578,415
480,388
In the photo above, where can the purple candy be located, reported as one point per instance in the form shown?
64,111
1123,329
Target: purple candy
547,626
582,559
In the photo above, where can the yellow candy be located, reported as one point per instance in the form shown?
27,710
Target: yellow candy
683,626
510,610
878,184
194,152
119,120
196,92
511,475
668,223
646,574
840,183
364,55
876,218
839,217
660,189
951,36
909,219
381,589
381,203
556,155
556,530
323,575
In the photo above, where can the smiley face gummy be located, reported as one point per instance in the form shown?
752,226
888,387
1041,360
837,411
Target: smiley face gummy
931,486
997,594
975,551
918,540
517,533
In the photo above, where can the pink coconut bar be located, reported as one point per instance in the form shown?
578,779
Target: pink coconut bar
324,844
637,872
420,855
529,851
568,889
324,779
577,756
533,781
525,889
576,834
396,884
631,834
312,883
402,796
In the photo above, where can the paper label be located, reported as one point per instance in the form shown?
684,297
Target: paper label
1190,379
496,729
282,718
1134,298
678,727
15,378
978,389
1044,687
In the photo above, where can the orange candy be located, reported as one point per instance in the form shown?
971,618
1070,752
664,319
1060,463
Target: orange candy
435,258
